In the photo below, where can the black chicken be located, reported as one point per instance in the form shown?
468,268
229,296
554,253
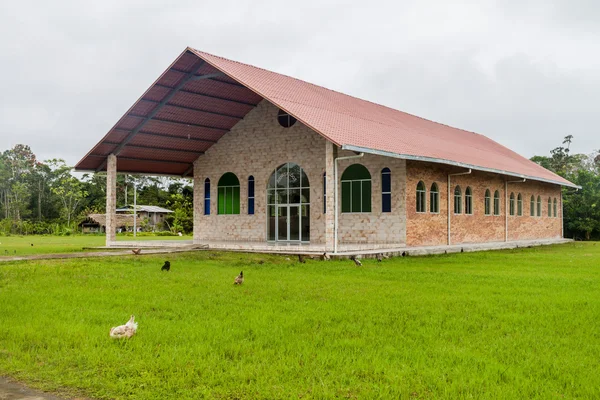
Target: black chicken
166,266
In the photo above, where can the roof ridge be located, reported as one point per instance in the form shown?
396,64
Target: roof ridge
389,116
334,91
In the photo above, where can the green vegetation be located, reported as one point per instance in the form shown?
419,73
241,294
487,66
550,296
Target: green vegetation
506,324
45,198
22,245
47,244
581,207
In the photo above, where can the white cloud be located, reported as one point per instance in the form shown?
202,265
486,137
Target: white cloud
525,73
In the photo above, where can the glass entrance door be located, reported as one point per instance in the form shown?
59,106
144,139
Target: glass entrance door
288,223
288,205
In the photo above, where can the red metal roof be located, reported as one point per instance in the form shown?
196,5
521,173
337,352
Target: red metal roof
204,110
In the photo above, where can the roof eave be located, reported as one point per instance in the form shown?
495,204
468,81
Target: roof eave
454,163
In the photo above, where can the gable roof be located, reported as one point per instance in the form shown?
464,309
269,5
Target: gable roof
219,92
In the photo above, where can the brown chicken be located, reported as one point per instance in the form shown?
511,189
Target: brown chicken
239,279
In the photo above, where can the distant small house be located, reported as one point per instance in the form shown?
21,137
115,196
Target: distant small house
95,223
154,215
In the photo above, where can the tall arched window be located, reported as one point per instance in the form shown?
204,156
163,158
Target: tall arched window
434,198
386,190
421,196
549,207
488,202
457,200
532,206
324,193
207,196
512,204
356,189
496,203
228,194
555,214
519,205
539,206
468,201
250,195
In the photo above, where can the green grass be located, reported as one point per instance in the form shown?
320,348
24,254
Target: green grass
42,244
506,324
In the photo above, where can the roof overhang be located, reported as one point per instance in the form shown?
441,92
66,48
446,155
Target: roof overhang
359,149
183,113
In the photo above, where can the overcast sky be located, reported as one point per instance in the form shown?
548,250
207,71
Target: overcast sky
525,73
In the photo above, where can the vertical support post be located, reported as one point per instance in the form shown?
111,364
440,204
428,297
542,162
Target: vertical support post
198,201
562,219
111,199
330,154
449,239
134,209
506,211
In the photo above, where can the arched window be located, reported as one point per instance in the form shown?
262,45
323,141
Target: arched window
434,198
519,205
512,204
532,206
549,207
386,190
488,202
250,195
228,194
324,193
457,200
356,189
421,195
207,196
555,214
539,206
468,201
496,203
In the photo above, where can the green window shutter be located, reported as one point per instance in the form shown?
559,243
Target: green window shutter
236,200
221,200
346,189
366,196
356,198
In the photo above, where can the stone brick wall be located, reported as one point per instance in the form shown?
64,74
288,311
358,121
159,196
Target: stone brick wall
375,227
256,146
527,227
428,229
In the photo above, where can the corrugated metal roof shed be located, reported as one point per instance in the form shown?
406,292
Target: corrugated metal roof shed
150,209
200,97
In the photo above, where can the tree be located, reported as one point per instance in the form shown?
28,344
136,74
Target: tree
581,208
68,188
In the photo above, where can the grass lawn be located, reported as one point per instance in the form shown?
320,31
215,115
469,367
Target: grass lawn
506,324
42,244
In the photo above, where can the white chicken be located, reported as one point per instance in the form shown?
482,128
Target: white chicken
124,331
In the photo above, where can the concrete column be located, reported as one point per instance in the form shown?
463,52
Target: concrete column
198,200
330,154
111,199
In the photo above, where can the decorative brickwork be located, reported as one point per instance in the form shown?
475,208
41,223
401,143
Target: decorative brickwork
256,146
376,227
428,229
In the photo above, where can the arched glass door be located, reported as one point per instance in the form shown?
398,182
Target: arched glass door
288,205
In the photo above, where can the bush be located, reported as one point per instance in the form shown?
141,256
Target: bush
166,233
